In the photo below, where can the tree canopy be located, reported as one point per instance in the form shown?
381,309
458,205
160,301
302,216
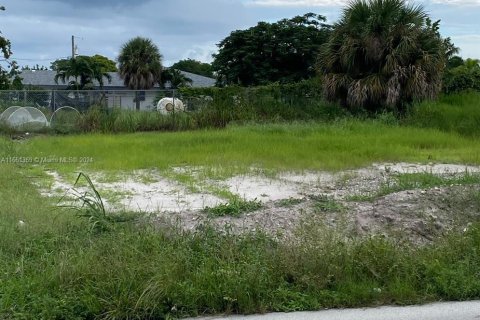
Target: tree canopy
194,66
462,75
284,51
140,64
80,72
7,75
176,78
383,53
106,64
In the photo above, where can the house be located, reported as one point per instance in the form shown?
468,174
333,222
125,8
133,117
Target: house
113,93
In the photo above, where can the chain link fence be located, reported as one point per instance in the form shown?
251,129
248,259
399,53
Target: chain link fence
82,100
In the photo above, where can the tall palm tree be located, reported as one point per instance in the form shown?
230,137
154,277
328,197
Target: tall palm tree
383,53
140,65
80,72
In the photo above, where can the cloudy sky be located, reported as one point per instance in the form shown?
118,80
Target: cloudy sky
41,30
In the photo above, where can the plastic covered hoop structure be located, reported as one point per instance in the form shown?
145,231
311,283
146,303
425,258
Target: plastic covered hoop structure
170,105
5,114
27,118
65,119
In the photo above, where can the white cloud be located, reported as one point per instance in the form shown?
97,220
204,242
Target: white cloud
337,3
297,3
469,45
458,2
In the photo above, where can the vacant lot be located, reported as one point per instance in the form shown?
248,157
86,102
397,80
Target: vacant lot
247,219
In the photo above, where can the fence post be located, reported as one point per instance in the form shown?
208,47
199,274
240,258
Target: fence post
53,100
24,97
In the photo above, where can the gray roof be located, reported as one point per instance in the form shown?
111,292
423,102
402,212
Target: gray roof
46,79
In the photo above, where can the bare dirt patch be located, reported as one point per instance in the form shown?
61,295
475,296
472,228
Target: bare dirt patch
417,214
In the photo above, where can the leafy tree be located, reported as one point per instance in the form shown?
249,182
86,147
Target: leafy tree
383,53
465,76
106,64
6,76
194,66
176,78
454,62
80,72
140,65
284,51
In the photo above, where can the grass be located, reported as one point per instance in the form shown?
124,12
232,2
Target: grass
412,181
451,113
234,208
324,203
341,145
136,270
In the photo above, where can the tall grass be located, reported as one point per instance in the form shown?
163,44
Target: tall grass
298,146
145,271
459,113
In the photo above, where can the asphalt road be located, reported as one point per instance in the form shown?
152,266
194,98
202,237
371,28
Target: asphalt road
436,311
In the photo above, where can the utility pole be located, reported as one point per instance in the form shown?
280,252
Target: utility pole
73,47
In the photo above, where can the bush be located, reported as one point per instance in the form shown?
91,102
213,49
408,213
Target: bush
463,77
452,113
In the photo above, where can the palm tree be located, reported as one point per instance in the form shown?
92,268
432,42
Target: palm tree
83,70
383,53
140,65
176,78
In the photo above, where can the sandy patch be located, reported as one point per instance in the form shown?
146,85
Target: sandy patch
289,197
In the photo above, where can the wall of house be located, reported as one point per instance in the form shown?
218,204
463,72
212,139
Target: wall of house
126,100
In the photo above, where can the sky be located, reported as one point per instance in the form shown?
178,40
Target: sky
41,30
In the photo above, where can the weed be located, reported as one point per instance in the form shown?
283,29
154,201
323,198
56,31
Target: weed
412,181
234,208
324,203
289,202
91,205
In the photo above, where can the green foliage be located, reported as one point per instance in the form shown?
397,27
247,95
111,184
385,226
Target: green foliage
235,208
143,271
465,76
275,102
175,78
97,119
194,66
324,203
6,76
83,70
451,113
343,144
411,181
383,54
140,65
106,64
284,51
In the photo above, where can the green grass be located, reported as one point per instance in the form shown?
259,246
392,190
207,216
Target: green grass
451,113
234,208
324,203
136,270
412,181
345,144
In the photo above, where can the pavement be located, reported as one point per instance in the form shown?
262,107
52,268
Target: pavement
436,311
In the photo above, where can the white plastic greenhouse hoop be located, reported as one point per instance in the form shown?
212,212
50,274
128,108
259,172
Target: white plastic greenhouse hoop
65,107
27,115
6,114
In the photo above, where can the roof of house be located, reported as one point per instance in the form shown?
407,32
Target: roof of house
46,78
